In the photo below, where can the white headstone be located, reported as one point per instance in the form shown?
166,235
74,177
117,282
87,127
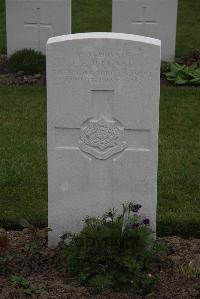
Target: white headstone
153,18
30,23
103,118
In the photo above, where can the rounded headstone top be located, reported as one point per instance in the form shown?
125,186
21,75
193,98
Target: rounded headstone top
104,35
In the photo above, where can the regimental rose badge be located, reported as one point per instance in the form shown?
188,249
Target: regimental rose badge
102,138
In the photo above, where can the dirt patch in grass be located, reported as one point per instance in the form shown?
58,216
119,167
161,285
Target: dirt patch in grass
178,270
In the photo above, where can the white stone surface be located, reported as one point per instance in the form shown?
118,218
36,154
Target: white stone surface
154,18
103,118
30,23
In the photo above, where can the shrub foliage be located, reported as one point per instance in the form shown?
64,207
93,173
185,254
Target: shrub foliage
184,75
113,251
27,60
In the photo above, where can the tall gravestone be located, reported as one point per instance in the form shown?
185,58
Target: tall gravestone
30,23
153,18
103,119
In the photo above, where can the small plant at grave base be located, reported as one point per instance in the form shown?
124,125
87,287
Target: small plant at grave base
27,60
190,270
183,75
113,251
23,283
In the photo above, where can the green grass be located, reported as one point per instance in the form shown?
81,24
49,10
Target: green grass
95,15
178,175
188,26
91,15
23,175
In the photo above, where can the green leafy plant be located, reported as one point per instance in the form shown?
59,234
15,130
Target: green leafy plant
22,282
183,75
113,251
27,60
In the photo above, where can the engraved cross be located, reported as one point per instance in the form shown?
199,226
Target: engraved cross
144,22
38,25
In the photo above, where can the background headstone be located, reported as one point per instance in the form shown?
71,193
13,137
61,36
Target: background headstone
153,18
30,23
103,115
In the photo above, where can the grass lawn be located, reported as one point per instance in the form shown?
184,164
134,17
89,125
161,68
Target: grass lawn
179,161
23,175
95,15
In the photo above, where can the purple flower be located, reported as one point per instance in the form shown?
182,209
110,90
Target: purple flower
135,225
63,237
135,208
146,221
87,219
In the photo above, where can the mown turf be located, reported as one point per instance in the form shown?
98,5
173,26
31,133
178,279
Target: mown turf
178,175
91,15
95,15
188,26
23,175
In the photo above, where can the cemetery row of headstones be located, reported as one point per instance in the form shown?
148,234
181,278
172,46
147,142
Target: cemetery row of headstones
31,22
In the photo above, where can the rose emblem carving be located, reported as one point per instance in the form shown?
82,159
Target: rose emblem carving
102,138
